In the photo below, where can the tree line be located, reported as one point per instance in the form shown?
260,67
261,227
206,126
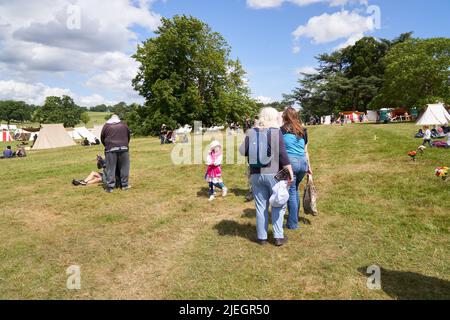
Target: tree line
54,110
374,73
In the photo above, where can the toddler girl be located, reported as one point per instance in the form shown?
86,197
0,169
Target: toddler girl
214,171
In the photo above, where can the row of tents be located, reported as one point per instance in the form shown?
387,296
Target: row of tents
434,115
51,136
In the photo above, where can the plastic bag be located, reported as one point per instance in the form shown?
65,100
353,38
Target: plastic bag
280,195
310,198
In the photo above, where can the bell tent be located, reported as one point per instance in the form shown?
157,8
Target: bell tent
53,136
97,131
435,115
85,134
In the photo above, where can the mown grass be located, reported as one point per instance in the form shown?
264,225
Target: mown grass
96,118
162,239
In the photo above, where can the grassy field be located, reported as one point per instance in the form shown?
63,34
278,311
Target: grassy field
162,239
97,118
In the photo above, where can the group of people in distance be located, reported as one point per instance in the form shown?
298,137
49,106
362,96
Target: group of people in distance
8,153
86,143
115,168
286,150
436,133
167,136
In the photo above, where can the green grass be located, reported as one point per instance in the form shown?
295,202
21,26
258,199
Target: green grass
162,239
96,118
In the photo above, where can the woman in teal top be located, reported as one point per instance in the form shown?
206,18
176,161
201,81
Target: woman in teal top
296,141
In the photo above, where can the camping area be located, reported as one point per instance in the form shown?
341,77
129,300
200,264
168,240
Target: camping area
164,240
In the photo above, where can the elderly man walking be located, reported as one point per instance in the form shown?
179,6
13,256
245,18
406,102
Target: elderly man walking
115,137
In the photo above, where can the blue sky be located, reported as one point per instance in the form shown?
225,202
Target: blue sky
274,39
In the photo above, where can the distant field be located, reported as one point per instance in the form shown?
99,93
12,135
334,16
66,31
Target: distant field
97,118
163,239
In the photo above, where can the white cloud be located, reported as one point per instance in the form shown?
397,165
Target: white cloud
94,100
305,70
259,4
264,4
263,99
35,41
327,28
35,93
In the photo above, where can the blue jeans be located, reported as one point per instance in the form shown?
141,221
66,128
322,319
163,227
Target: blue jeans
221,186
425,141
262,185
300,168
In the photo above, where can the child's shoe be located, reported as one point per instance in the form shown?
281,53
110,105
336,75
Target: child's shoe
211,198
224,192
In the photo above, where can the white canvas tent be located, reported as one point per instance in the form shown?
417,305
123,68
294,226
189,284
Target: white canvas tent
97,131
372,116
85,133
326,120
435,115
32,135
74,135
53,136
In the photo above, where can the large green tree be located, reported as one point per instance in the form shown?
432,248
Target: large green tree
59,110
186,74
18,111
417,72
346,80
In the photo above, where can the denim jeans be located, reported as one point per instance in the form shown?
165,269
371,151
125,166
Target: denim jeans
425,141
262,185
221,186
300,168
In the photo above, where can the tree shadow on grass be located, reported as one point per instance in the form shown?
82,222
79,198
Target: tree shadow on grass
233,229
404,285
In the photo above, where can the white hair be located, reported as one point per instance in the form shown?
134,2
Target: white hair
269,118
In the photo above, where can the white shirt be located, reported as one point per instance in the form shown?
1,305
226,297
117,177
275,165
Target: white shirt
427,135
448,138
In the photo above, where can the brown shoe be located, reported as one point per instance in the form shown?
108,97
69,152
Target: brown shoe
262,242
281,242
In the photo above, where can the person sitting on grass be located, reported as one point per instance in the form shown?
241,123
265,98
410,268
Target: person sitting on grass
448,141
85,142
20,153
7,154
94,177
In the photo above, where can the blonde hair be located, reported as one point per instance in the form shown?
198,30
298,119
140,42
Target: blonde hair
269,118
